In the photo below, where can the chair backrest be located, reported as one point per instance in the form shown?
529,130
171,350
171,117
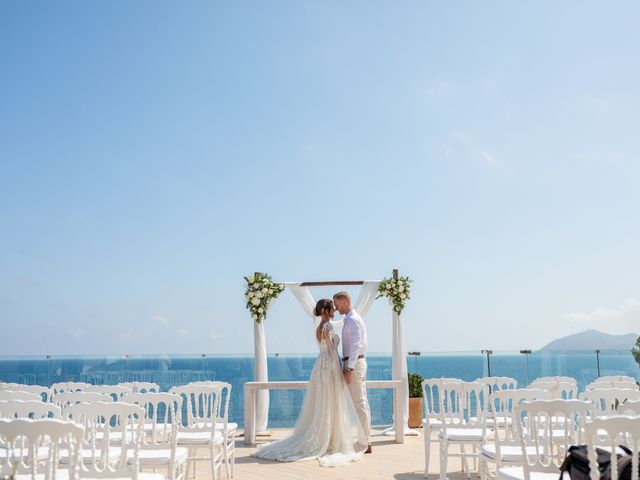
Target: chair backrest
498,383
103,423
467,404
28,409
549,428
13,395
69,398
615,384
630,407
32,448
503,404
202,406
116,392
615,378
559,390
611,432
141,387
61,387
43,392
607,401
162,412
225,398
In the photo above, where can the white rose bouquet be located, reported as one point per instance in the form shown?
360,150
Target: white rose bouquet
397,289
261,291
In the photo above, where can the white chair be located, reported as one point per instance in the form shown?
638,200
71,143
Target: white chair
141,387
223,424
433,403
107,424
505,447
199,431
70,398
116,392
43,392
25,396
557,378
463,422
543,445
613,431
607,401
31,449
61,387
33,409
159,445
609,385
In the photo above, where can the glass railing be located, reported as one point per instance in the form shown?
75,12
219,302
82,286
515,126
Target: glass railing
171,370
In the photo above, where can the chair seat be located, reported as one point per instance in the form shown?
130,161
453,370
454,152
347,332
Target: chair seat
160,456
463,435
141,476
43,453
231,426
88,456
61,474
509,453
517,473
199,438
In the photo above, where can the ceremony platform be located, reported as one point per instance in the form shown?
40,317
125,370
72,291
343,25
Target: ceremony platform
389,460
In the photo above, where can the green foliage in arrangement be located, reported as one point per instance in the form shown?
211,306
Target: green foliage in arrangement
415,385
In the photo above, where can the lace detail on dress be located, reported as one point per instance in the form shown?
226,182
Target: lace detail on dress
325,429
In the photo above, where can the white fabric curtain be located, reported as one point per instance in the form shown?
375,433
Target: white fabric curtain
260,374
399,362
304,298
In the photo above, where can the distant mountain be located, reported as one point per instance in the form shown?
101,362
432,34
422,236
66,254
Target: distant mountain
591,340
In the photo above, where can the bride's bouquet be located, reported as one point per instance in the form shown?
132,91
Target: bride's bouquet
398,290
261,292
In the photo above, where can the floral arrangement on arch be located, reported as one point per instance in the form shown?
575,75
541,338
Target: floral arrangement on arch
398,290
261,292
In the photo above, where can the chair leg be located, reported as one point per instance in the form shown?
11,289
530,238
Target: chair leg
212,459
444,452
427,451
465,462
227,469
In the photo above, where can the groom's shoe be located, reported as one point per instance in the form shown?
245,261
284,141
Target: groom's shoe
369,449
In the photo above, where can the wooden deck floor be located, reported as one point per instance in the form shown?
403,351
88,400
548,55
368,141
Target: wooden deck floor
388,461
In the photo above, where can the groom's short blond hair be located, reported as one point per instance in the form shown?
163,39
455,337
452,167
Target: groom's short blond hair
342,295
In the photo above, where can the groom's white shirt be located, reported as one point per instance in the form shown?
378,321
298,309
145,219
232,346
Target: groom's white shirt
354,338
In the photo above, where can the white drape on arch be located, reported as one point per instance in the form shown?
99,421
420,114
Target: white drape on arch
362,305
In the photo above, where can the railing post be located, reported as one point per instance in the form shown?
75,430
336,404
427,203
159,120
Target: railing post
249,415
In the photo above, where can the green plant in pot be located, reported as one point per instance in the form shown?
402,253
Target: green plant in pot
415,400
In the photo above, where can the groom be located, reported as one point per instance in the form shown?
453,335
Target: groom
354,365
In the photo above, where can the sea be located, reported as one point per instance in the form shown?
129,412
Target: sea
171,370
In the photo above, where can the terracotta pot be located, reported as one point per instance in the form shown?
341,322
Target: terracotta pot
415,412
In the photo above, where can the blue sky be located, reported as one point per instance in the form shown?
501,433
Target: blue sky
153,152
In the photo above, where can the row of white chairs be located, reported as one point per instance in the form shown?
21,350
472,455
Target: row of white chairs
116,391
169,439
476,415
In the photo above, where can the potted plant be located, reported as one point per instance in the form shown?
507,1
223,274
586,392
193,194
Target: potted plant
415,400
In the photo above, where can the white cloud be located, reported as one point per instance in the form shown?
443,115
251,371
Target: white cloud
461,144
624,318
160,320
182,331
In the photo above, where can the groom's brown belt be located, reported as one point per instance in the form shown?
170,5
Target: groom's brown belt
347,358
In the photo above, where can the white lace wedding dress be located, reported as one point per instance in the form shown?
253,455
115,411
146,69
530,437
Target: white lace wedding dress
327,427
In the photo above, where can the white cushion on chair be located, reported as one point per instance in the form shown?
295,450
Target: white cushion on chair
88,457
160,456
463,434
199,438
510,453
517,473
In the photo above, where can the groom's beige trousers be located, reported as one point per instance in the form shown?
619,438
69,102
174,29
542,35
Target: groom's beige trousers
358,392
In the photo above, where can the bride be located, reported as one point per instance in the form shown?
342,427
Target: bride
327,428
